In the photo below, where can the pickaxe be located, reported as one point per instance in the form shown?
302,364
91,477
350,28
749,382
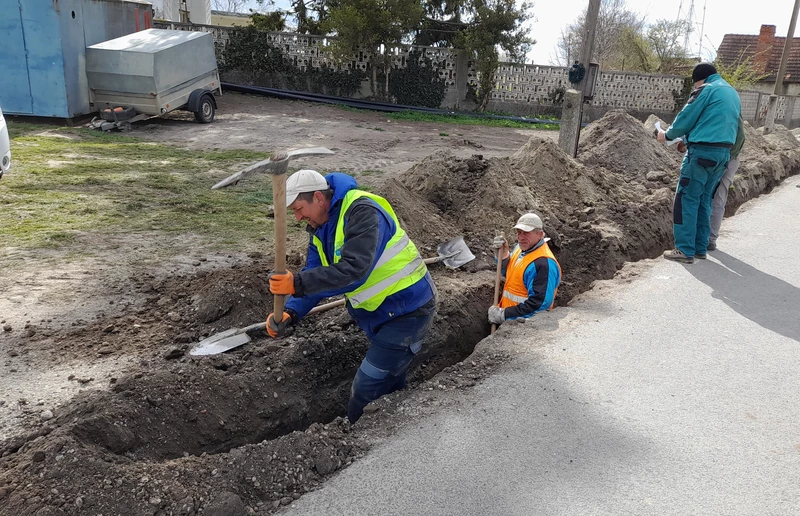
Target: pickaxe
277,165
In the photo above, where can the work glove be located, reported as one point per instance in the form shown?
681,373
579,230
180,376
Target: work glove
500,245
497,315
281,284
276,330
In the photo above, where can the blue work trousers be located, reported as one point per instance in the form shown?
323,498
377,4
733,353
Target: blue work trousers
390,352
703,167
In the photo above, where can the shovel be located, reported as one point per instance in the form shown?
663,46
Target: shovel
453,254
498,277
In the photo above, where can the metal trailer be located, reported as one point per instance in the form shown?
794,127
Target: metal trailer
151,73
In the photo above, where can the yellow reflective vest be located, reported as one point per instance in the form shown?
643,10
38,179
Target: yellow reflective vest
399,264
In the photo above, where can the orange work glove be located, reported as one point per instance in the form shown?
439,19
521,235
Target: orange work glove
281,284
276,330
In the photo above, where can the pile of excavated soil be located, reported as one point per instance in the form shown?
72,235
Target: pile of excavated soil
765,161
621,143
597,219
253,429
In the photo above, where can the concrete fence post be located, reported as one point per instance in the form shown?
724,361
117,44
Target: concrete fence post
568,134
461,77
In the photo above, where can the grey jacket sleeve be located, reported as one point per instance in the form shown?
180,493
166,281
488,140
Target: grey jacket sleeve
361,237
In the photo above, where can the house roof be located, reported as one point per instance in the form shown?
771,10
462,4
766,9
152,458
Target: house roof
735,48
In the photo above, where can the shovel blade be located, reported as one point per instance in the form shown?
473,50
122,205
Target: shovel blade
455,253
220,343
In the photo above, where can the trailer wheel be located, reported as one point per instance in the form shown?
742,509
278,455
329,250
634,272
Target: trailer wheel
206,110
125,127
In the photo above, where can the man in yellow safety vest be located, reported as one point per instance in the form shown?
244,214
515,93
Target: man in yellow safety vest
357,248
532,273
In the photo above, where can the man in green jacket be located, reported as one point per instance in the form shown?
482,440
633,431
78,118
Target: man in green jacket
708,124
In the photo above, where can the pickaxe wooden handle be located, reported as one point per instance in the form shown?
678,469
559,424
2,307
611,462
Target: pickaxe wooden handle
277,165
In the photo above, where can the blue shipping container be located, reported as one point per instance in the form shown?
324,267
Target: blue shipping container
42,55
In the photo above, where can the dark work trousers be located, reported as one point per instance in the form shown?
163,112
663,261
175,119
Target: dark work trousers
390,352
703,167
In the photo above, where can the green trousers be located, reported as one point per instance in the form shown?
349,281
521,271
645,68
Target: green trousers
703,167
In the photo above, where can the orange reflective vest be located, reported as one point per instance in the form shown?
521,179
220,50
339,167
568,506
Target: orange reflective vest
515,291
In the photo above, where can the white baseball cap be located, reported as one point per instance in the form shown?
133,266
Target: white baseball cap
529,222
304,181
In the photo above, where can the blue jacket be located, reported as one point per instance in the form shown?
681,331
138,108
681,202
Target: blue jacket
367,230
711,115
541,278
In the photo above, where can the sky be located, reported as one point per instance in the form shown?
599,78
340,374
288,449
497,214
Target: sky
721,17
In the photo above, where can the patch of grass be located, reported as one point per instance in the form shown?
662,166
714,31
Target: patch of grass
378,129
371,172
347,108
443,134
415,116
71,181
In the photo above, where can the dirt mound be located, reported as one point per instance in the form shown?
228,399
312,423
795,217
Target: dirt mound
765,161
597,219
621,143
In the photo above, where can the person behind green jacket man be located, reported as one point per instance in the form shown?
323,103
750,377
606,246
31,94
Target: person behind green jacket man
723,187
708,124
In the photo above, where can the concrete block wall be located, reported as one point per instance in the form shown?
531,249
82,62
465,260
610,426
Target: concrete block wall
521,89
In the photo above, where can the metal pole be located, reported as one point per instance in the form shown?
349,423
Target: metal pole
769,124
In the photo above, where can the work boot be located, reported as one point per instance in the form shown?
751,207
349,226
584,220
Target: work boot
712,246
701,256
677,256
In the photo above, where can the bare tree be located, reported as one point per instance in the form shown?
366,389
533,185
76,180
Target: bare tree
231,6
666,40
614,21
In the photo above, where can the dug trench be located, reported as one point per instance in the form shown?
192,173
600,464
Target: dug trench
248,431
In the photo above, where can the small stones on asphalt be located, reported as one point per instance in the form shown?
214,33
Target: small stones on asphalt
46,415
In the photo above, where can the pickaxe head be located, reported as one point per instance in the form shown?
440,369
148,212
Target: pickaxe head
276,165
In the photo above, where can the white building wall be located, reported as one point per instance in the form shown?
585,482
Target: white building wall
199,10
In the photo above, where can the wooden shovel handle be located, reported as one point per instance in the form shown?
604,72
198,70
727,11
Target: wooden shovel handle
279,202
498,275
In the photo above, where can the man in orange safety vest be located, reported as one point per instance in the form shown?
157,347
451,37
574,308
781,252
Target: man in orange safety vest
532,273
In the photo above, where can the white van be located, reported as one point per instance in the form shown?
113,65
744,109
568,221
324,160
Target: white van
5,146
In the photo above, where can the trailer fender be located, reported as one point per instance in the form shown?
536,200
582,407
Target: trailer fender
194,99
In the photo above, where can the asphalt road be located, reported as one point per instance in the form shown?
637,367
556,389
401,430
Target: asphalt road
671,390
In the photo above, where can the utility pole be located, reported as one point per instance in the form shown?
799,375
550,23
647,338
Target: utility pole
572,112
772,107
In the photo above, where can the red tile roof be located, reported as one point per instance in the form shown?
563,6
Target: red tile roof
738,47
